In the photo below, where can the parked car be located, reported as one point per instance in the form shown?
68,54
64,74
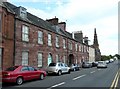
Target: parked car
94,64
74,67
86,65
111,60
57,68
19,74
107,61
102,64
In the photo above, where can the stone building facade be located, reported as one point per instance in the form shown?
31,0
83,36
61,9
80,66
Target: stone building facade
91,54
37,42
6,37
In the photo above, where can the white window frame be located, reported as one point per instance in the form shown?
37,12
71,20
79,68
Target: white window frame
84,48
40,37
76,47
23,12
57,58
49,40
64,59
64,43
25,55
71,46
25,33
57,41
40,59
79,48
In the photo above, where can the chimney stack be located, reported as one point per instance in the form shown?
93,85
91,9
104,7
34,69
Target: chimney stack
73,36
86,40
79,35
53,21
62,25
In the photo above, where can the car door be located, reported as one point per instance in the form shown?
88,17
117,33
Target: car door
65,67
62,67
33,73
25,73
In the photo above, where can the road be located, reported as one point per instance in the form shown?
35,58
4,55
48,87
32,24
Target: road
87,77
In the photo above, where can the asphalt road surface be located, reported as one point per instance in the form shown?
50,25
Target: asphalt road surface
86,77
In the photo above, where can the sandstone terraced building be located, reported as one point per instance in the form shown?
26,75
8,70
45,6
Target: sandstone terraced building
29,40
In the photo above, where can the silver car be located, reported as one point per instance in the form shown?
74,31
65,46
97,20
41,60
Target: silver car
102,64
57,68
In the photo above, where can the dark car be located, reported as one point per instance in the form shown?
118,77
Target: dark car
94,64
74,67
86,65
18,74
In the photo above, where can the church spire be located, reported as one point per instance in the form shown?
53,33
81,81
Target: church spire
96,46
95,43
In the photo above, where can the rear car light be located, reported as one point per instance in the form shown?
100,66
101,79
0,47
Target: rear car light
6,74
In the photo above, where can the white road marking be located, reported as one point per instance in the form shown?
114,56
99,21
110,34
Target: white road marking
79,77
92,72
57,85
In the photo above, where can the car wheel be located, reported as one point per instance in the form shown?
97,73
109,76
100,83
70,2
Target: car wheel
74,69
19,81
59,72
41,76
69,72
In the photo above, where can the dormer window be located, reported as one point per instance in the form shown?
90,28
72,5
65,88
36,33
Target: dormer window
23,12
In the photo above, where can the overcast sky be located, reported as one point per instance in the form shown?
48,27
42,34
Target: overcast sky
81,15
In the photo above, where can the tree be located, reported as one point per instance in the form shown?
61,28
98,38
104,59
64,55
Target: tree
104,57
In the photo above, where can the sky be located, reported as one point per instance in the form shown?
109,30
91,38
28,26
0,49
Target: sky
81,15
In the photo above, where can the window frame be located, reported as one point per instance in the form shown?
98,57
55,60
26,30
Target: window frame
49,39
57,58
64,58
76,47
25,33
70,45
40,37
64,43
40,60
26,59
57,41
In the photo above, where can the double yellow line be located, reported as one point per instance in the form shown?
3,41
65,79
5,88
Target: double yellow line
115,81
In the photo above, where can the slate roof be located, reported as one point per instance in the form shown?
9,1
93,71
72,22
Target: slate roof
38,21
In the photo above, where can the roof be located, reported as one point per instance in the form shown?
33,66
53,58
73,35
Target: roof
38,21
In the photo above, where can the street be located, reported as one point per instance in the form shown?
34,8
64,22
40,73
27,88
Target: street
86,77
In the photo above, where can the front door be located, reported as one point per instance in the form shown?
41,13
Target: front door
49,58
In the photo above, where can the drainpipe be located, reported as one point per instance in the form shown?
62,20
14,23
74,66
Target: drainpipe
67,52
14,41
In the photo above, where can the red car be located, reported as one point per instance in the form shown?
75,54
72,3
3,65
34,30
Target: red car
18,74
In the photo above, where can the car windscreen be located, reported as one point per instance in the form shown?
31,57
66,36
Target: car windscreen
11,68
100,62
52,64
